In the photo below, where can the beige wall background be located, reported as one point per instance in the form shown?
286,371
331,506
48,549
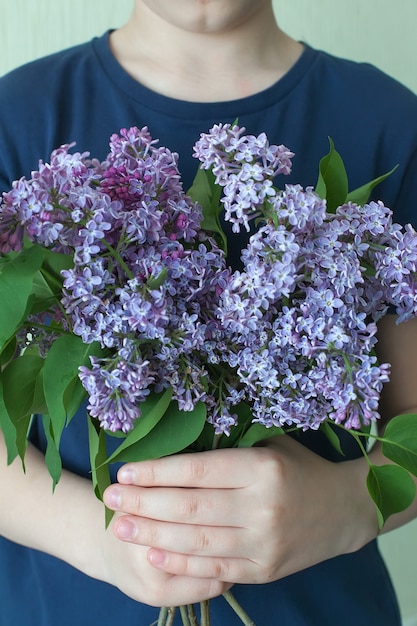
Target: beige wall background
381,32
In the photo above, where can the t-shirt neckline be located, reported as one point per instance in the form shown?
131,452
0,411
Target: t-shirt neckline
186,109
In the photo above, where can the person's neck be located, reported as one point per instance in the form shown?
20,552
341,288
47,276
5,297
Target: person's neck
204,67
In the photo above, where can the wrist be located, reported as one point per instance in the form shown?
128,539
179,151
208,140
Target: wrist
358,507
66,524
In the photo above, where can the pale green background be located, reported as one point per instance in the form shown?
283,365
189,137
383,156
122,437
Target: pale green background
379,31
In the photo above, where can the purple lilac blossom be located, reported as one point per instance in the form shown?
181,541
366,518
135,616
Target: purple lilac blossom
292,334
144,272
301,315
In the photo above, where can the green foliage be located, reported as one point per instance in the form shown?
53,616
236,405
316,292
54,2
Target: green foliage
30,282
391,488
158,281
8,429
9,350
52,456
328,430
173,432
21,397
361,194
332,184
256,433
400,441
64,358
244,422
100,473
208,194
16,280
21,382
153,409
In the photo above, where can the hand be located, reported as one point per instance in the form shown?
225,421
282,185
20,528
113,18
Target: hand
69,525
243,515
127,567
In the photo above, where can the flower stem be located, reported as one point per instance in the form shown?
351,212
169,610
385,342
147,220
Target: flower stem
117,257
163,615
171,615
166,616
191,615
184,616
216,441
244,617
205,613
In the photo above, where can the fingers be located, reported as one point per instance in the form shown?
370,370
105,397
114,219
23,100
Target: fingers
236,515
227,554
190,539
188,506
225,468
180,590
228,570
211,516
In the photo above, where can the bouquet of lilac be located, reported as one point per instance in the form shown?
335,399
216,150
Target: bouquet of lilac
117,293
300,319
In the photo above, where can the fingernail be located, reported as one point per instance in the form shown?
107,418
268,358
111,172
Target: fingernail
157,557
125,529
112,498
126,475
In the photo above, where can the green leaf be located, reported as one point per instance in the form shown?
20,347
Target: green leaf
8,429
20,381
74,396
47,282
100,473
55,262
52,456
22,430
52,267
332,184
64,358
361,194
332,437
16,279
174,432
153,408
391,488
158,281
259,432
42,297
39,403
205,439
400,441
205,191
22,396
9,350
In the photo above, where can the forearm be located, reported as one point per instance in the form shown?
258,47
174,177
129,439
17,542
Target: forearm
361,524
52,523
69,524
397,345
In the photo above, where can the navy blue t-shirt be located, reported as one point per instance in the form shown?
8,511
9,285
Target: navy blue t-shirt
83,95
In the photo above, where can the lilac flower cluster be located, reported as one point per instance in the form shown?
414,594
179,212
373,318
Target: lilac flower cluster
145,275
245,167
293,334
301,316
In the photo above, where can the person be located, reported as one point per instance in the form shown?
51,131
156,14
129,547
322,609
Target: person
289,525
